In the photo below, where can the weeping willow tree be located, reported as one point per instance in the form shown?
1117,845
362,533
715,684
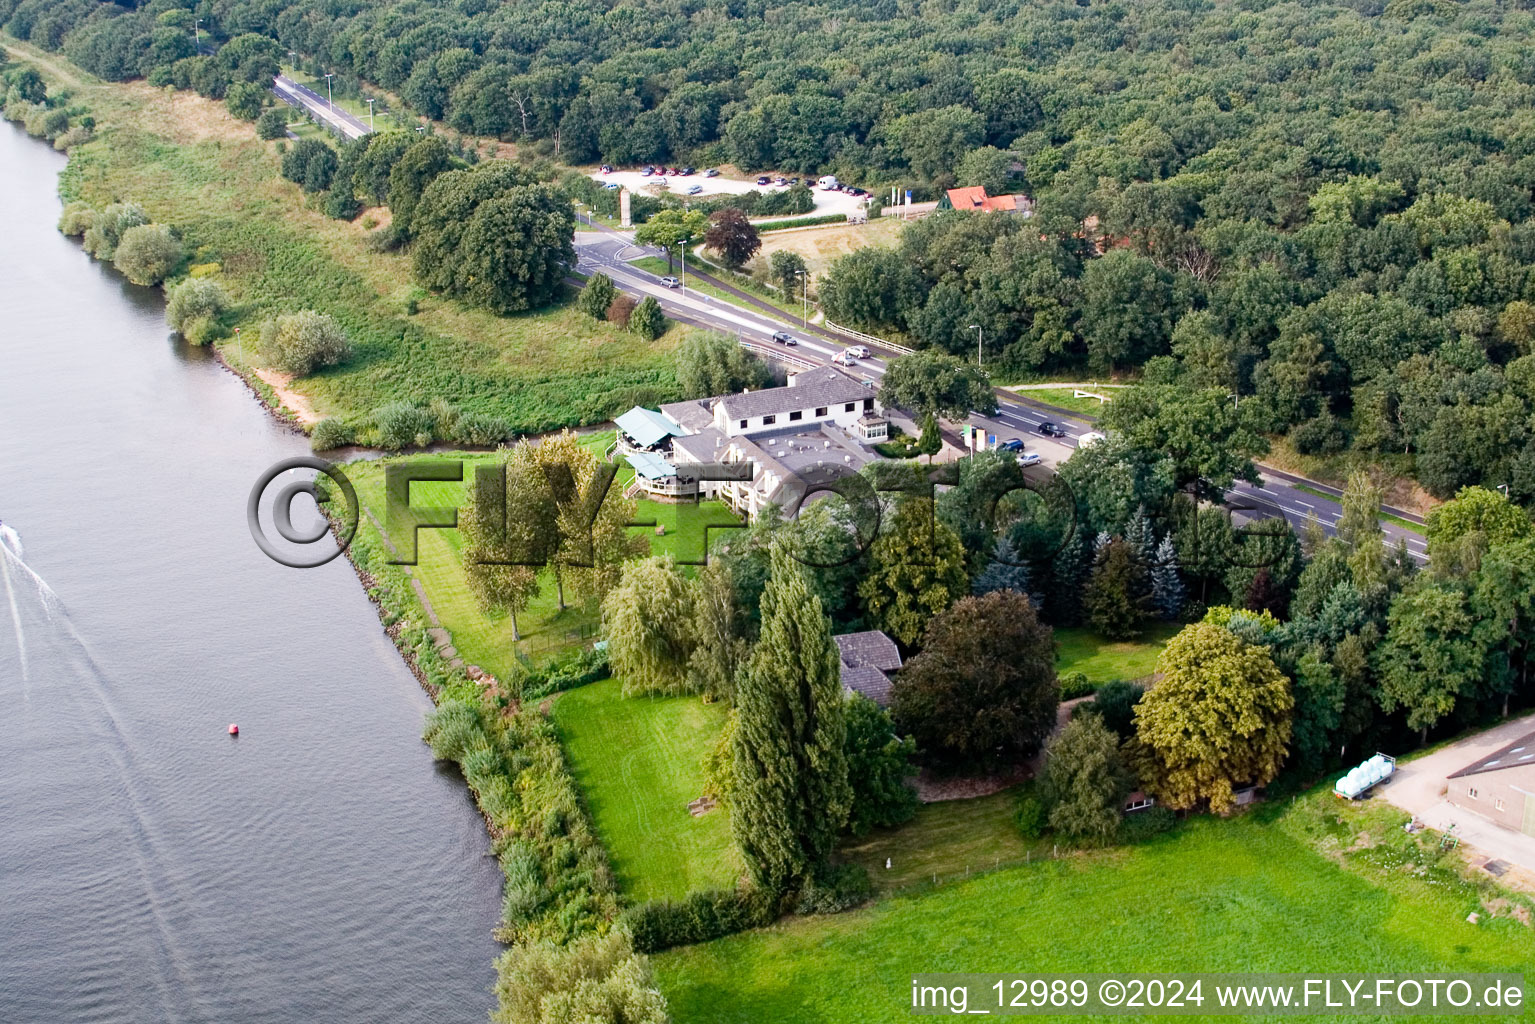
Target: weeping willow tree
648,622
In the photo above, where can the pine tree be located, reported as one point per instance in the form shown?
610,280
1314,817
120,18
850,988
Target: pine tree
1068,575
1005,571
790,795
1167,591
1141,536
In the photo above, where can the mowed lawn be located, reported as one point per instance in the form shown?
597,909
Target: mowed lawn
1103,661
1217,896
639,761
485,638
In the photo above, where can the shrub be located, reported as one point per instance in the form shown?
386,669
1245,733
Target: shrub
147,253
195,299
1142,825
76,219
272,124
302,342
200,330
400,424
620,309
330,433
245,100
1323,435
76,136
1115,704
1029,816
803,222
480,429
1074,685
595,978
597,296
107,229
647,320
310,164
46,123
837,889
699,917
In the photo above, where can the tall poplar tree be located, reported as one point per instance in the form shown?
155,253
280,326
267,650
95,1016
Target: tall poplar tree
790,795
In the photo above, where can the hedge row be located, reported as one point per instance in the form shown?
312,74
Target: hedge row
699,917
800,222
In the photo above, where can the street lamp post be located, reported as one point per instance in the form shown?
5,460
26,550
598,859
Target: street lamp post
328,98
804,298
197,34
683,280
370,113
978,333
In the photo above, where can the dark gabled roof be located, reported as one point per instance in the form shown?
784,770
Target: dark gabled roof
810,391
867,680
1520,753
871,647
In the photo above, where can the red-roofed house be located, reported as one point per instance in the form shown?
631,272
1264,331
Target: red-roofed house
974,197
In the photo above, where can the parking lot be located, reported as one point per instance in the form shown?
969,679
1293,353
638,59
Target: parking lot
634,181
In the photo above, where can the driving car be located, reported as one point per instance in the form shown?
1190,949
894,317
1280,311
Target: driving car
711,173
671,282
860,351
1051,429
784,338
1027,459
694,190
762,179
1012,444
844,358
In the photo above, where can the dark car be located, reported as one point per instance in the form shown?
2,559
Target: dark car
763,179
607,168
688,170
1012,444
785,338
1051,429
794,181
648,169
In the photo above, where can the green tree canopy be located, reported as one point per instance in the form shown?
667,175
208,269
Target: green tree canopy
931,382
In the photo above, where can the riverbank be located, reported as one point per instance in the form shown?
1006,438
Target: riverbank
196,168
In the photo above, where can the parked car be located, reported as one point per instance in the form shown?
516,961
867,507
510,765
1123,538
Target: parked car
1051,429
856,192
793,181
860,351
673,172
610,185
688,170
648,170
1012,444
780,180
763,179
660,181
1026,459
694,190
711,173
671,282
785,338
607,168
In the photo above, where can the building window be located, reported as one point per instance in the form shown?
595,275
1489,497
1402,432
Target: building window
1471,792
868,405
797,414
821,411
1141,804
850,407
768,421
743,424
1497,805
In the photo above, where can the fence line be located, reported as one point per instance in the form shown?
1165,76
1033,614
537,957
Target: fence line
871,339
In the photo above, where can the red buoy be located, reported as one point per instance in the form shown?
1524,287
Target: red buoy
234,730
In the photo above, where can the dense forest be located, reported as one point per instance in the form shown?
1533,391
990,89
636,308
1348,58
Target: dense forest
1323,206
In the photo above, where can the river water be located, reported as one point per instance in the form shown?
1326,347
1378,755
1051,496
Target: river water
319,867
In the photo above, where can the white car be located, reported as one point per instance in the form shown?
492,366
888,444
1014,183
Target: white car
1092,437
694,190
671,282
844,359
858,351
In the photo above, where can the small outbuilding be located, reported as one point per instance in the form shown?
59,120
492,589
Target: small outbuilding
867,659
1500,787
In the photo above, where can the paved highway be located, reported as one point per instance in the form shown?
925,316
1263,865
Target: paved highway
296,95
1276,494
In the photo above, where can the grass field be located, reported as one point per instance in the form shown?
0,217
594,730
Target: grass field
639,763
1102,661
1238,895
193,166
1066,398
820,246
944,842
